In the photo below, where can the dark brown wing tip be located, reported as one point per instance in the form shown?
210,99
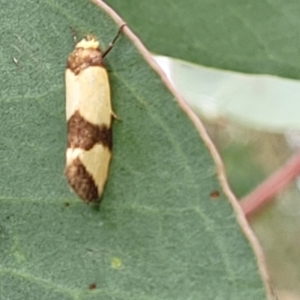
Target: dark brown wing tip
82,182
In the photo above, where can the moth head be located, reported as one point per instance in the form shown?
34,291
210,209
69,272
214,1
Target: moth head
89,42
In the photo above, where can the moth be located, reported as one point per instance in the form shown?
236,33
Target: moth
89,119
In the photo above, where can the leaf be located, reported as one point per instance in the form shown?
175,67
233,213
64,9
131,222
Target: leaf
158,233
264,102
254,36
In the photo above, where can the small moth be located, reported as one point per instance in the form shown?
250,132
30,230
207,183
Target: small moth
89,117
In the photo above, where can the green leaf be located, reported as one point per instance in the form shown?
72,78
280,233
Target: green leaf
158,234
264,102
256,36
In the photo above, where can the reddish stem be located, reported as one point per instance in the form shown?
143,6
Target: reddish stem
269,188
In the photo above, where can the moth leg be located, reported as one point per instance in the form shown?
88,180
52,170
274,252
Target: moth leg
114,115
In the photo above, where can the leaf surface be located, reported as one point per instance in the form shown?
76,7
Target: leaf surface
253,37
158,234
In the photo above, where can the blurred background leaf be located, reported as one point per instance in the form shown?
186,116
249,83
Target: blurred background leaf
254,37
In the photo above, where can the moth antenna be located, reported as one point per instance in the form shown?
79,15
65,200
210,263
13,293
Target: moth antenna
111,44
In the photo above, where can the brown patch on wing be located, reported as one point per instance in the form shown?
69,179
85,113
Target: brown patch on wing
81,181
83,134
82,58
